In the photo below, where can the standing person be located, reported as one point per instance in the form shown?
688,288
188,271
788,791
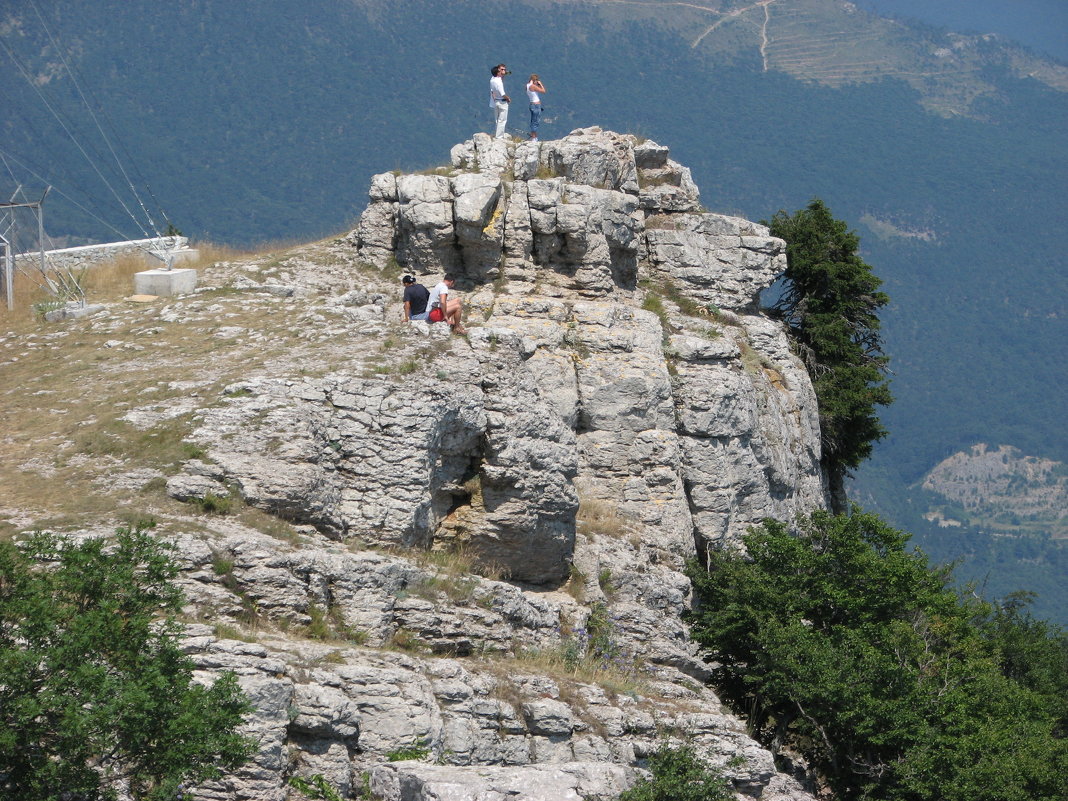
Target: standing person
445,307
535,89
416,299
498,99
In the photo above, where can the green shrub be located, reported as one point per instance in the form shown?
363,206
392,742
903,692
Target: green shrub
92,673
840,642
830,304
678,775
213,504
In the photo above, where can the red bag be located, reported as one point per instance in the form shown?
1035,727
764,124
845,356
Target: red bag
436,315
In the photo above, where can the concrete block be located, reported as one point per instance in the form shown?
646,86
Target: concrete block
166,283
176,257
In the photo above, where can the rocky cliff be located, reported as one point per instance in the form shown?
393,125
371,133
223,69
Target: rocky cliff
456,570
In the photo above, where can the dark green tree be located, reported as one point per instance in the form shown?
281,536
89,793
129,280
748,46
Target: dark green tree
829,303
839,642
1032,652
95,690
678,775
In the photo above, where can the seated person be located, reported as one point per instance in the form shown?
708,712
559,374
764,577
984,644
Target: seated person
416,299
444,306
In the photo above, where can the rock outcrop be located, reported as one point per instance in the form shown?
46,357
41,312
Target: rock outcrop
460,574
690,414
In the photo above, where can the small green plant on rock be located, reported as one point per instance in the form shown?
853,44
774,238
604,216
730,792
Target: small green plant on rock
391,270
318,628
315,787
417,750
606,583
409,366
329,625
212,504
406,640
654,302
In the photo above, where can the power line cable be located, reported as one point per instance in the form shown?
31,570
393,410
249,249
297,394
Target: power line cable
103,222
25,74
80,138
99,127
91,198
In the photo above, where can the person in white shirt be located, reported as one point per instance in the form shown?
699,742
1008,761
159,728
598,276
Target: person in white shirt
498,99
535,89
444,307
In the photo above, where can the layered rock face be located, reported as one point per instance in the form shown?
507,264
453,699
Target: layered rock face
619,406
694,418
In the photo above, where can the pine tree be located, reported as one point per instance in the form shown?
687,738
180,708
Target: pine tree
830,303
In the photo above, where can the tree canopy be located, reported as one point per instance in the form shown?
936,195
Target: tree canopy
829,303
839,642
95,690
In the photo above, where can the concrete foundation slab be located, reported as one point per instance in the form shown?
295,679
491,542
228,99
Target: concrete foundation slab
165,282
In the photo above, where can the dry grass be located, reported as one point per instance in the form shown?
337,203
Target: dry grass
559,665
667,289
757,364
28,290
597,517
65,387
576,584
110,280
115,278
268,524
663,221
451,572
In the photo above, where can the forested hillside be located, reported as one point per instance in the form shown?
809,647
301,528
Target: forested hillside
264,122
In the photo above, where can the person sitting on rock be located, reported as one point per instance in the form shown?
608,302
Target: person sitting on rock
416,299
445,307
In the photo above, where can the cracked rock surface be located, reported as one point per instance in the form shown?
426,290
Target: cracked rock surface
450,567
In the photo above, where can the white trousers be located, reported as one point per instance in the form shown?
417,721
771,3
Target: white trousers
500,112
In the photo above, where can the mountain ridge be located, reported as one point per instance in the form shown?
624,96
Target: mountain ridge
465,549
242,159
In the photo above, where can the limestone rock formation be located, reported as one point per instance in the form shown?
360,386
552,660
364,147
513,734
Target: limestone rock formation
621,406
458,569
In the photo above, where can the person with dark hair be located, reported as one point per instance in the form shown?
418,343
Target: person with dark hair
498,99
444,307
535,89
416,299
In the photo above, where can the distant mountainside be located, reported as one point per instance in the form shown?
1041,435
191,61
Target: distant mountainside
1004,487
1041,25
947,154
